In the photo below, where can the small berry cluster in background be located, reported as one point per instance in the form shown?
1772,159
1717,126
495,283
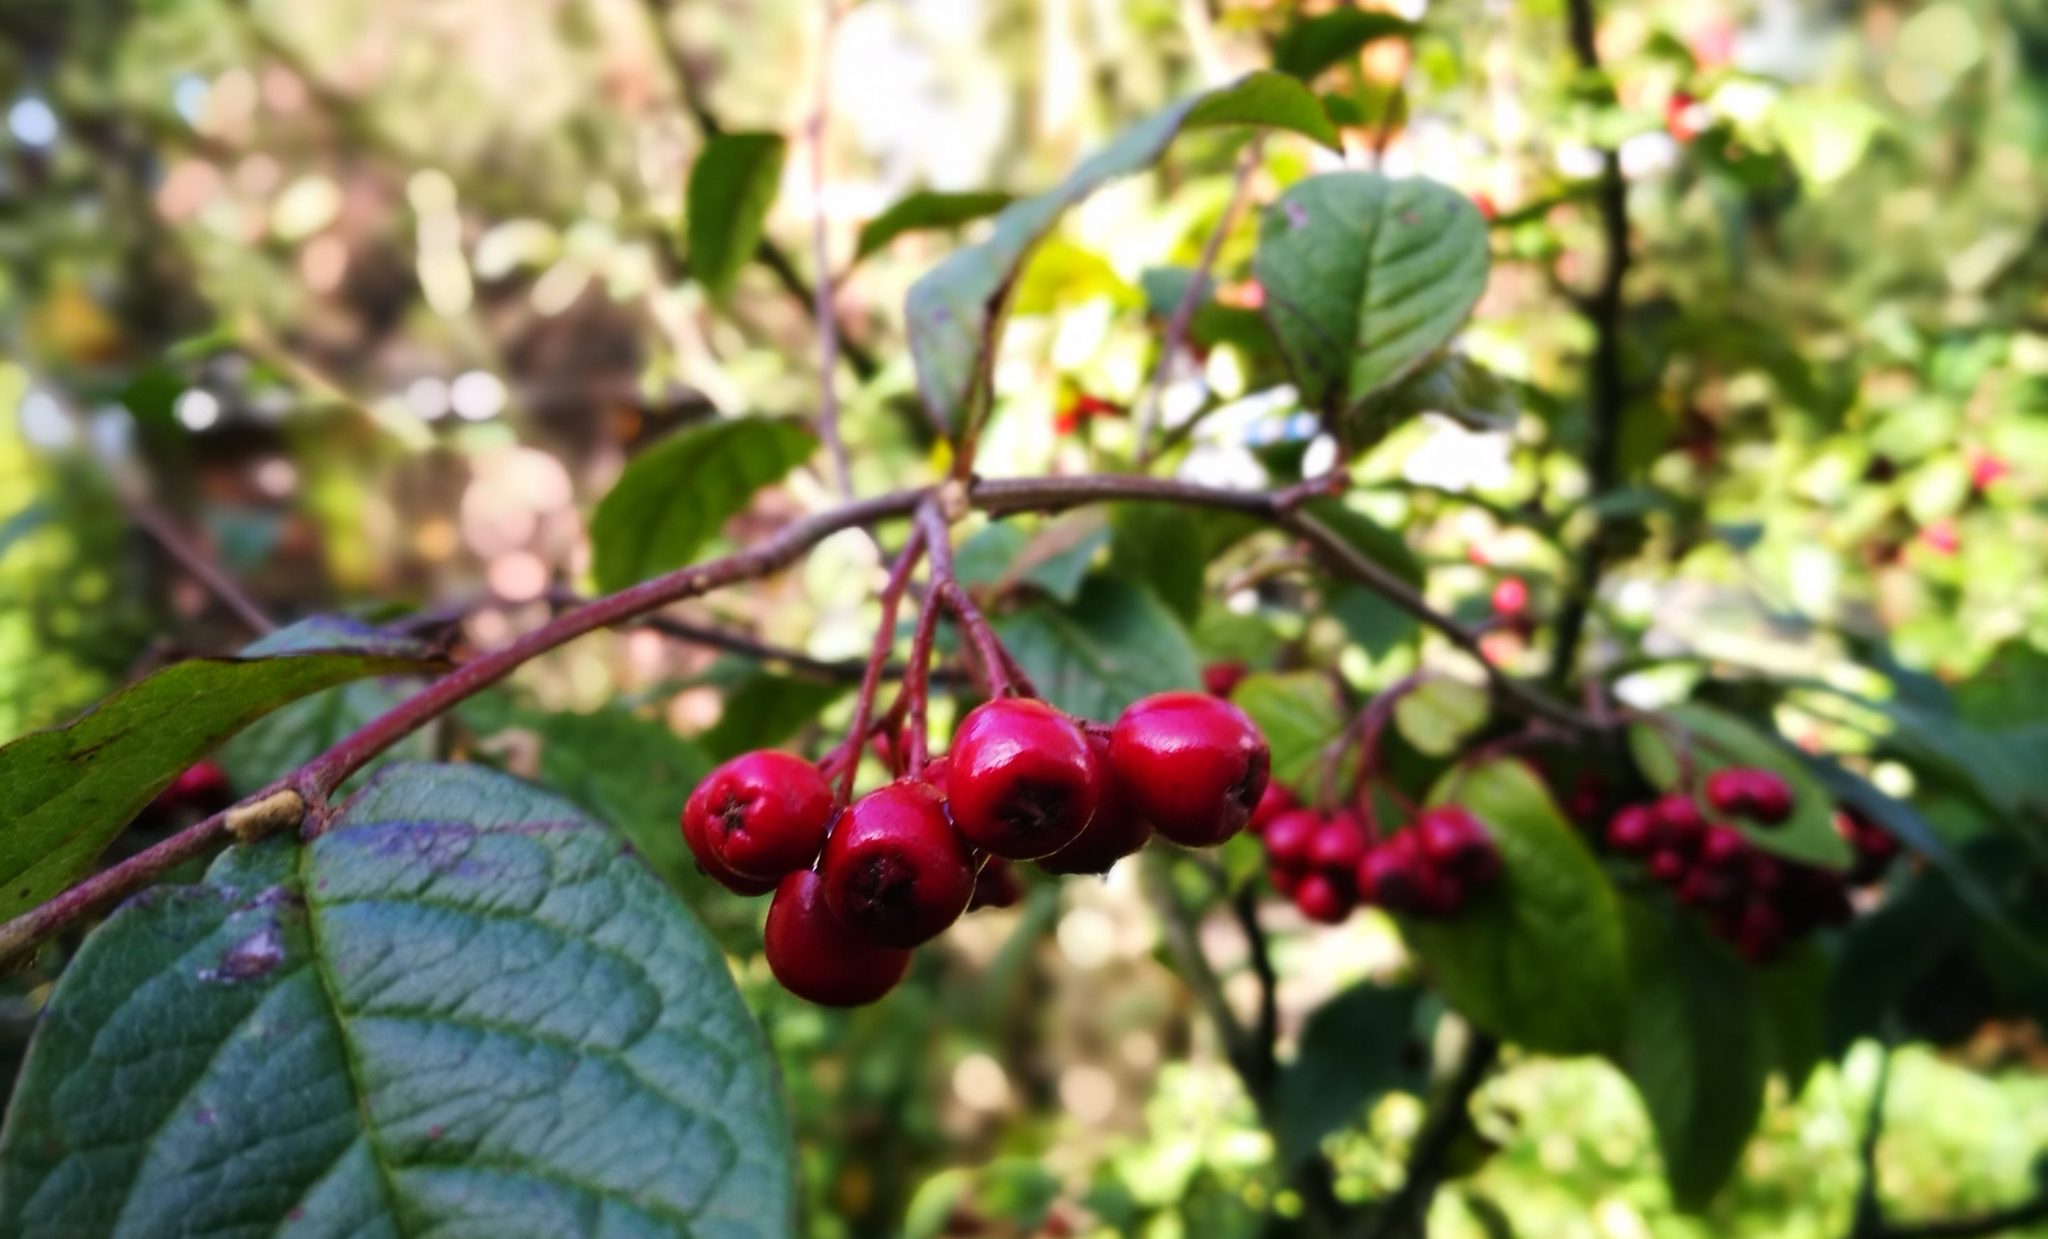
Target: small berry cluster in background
1331,863
201,788
1757,902
858,886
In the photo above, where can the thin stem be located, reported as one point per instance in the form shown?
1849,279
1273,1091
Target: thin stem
917,681
1868,1220
885,639
195,561
1191,297
1004,676
848,670
821,259
1265,1035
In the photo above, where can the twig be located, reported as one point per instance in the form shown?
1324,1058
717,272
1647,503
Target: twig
195,561
1868,1220
1606,389
1191,297
917,683
821,259
1003,673
846,670
1405,1211
1265,1034
885,640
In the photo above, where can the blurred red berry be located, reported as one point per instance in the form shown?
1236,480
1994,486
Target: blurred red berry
1222,679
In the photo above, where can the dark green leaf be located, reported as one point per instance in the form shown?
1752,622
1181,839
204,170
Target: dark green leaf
732,185
956,309
1055,557
1115,644
1791,1005
764,709
1695,1050
1298,713
1884,954
1365,280
1169,549
1354,1050
1718,740
1383,546
1313,44
632,773
1452,385
1378,626
67,792
299,731
463,1009
927,209
675,496
1538,958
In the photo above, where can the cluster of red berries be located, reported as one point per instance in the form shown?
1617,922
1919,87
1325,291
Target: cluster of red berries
1330,863
857,887
1757,902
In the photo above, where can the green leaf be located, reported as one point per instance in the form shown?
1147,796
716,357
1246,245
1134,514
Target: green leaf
1115,644
1354,1050
630,772
1054,557
1376,542
1538,958
1169,549
1366,279
1695,1050
732,185
675,496
1438,714
1376,625
1452,385
463,1009
67,792
1313,44
1792,1013
928,209
955,310
1719,740
299,731
764,709
1297,711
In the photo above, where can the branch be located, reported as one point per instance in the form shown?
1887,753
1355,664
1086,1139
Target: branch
711,635
195,561
1406,1210
1606,390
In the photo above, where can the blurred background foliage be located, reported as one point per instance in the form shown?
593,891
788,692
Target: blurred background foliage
372,301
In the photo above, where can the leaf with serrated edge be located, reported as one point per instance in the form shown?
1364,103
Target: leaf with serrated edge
956,309
1721,740
732,185
462,1009
67,792
674,497
1538,957
1365,279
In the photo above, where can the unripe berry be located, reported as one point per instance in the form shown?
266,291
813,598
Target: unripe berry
895,870
1457,844
1338,845
1274,801
817,958
1194,765
1116,830
1323,898
1635,830
1021,778
714,868
1290,836
762,814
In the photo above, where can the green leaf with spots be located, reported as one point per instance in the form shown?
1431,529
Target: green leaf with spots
925,210
464,1009
67,792
1366,279
1537,958
732,185
956,309
1114,644
1715,741
676,495
1297,712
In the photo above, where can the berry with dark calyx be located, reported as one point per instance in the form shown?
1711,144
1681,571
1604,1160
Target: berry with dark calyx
895,870
996,886
1668,866
1022,778
1441,895
1290,837
1323,898
1194,766
1684,825
1338,845
763,814
1116,830
817,958
1274,801
1392,875
714,868
1222,679
1759,934
1457,843
1635,830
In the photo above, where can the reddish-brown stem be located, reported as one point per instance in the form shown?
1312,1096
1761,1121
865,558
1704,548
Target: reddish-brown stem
1004,676
1373,724
917,683
878,655
195,561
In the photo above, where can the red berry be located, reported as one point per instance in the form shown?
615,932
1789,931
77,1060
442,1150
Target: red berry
1684,826
1749,792
1441,895
1941,537
1274,801
935,773
714,868
1222,679
1511,598
199,785
762,814
817,958
1194,765
996,886
1338,845
1699,887
1323,898
1022,779
1723,847
1588,797
1635,830
895,870
1116,830
1457,843
1728,790
1393,876
1284,880
1290,837
1759,935
1986,470
1668,866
